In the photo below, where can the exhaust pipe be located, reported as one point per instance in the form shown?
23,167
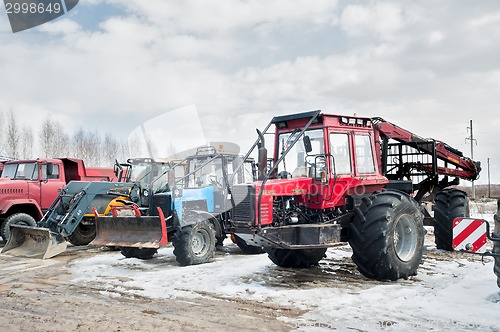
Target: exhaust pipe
262,157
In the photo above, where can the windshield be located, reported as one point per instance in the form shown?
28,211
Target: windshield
145,173
24,171
204,175
295,161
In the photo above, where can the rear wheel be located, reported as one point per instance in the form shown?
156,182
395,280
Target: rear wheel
141,253
387,236
496,248
194,244
448,205
22,219
83,234
297,258
246,248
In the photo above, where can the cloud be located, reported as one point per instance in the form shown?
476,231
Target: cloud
383,19
429,68
64,26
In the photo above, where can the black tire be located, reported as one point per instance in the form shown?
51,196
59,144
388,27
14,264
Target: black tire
448,205
83,234
387,236
496,247
246,248
220,235
296,258
16,219
141,253
194,244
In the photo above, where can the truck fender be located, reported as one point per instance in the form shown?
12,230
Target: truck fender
194,216
28,206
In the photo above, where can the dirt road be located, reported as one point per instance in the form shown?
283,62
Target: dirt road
39,295
87,289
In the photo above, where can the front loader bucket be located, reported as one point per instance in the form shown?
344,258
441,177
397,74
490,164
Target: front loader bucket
34,242
127,231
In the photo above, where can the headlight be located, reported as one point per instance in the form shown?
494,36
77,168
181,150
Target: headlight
145,193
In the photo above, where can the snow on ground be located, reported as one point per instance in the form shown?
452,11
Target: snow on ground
452,292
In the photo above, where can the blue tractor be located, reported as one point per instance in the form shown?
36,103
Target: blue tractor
189,206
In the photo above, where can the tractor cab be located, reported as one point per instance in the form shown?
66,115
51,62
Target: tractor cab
321,163
209,178
149,175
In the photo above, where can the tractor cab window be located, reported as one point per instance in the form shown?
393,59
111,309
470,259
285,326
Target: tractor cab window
25,171
204,173
364,154
245,173
339,148
295,162
149,174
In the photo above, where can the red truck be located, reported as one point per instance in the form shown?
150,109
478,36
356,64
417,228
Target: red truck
28,187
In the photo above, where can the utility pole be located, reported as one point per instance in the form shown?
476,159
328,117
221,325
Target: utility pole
489,182
472,139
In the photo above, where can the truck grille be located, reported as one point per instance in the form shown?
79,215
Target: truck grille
244,200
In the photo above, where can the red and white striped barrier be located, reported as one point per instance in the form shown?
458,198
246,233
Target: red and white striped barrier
469,234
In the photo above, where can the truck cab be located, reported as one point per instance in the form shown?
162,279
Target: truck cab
28,187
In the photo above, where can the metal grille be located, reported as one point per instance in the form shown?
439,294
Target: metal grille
244,199
410,162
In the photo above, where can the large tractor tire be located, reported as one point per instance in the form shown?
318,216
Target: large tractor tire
496,246
141,253
448,205
16,219
246,248
296,258
83,234
387,236
194,244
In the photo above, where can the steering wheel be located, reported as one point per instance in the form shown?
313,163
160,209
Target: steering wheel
284,175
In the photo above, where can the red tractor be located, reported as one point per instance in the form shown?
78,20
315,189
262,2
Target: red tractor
350,179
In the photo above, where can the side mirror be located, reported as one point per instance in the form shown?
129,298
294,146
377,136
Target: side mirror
307,144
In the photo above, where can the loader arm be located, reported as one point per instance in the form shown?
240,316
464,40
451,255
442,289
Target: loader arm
466,168
75,202
48,238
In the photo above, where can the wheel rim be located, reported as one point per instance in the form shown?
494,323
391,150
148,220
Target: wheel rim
200,242
405,238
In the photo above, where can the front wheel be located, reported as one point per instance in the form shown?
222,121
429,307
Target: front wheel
296,258
83,234
22,219
387,236
141,253
194,244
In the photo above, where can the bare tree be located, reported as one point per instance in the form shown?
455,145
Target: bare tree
109,149
26,143
13,137
87,146
54,142
3,150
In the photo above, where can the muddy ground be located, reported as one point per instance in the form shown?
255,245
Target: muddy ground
42,295
39,295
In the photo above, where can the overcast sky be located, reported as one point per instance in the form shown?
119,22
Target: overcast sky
109,65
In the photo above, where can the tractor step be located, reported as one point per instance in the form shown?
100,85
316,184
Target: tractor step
304,236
